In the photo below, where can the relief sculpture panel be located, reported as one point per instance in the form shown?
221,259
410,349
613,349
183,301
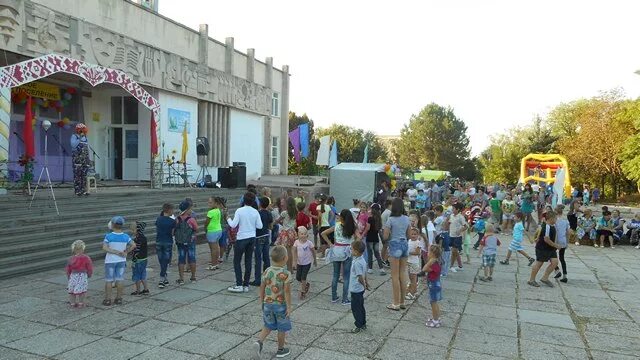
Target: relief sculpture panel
47,31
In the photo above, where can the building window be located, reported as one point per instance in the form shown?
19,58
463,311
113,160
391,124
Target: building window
275,104
124,108
274,152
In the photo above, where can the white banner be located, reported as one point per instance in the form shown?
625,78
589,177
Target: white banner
323,151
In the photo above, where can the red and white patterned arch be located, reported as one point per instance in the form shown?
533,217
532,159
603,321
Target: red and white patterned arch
46,65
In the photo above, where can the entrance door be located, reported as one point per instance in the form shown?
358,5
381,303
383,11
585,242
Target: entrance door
130,163
117,153
125,153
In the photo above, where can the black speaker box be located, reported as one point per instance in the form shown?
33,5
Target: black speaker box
202,146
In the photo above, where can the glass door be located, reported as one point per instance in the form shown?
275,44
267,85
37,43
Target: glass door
130,162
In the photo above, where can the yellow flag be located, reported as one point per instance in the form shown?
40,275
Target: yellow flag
185,145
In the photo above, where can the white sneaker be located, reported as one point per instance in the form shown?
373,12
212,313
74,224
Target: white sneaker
577,243
235,289
460,268
638,247
370,271
453,270
382,272
245,289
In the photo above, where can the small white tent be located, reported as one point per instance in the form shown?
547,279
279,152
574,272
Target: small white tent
355,181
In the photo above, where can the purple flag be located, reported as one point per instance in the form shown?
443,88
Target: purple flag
294,137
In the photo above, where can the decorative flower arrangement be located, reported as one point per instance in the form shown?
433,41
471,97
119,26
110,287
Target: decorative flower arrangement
170,160
27,176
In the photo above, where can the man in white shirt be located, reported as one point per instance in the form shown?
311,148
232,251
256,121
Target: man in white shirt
421,185
411,194
247,219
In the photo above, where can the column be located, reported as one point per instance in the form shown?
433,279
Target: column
228,55
251,56
284,122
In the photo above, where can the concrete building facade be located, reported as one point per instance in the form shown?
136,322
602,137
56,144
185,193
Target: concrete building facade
239,103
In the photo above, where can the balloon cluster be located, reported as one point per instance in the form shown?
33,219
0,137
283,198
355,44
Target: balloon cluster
20,97
65,123
391,170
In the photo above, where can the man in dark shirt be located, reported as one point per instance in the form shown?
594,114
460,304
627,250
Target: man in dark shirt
545,251
263,237
165,226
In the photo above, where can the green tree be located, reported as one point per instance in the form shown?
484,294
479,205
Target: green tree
436,139
630,153
352,142
594,149
500,162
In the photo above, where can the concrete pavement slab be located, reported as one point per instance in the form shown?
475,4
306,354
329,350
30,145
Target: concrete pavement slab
402,349
191,315
153,332
545,318
105,323
165,353
17,329
53,342
105,349
206,342
485,343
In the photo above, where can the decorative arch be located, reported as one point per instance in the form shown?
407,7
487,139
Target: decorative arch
37,68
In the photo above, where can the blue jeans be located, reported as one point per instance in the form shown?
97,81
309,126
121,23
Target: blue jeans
186,253
262,256
114,271
274,233
446,255
275,317
164,252
139,270
243,247
346,273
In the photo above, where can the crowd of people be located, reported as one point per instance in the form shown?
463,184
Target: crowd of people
424,231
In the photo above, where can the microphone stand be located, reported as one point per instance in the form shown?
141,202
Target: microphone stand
64,157
19,137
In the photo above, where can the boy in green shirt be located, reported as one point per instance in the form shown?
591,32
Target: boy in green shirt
275,297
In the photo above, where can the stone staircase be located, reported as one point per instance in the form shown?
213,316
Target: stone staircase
37,239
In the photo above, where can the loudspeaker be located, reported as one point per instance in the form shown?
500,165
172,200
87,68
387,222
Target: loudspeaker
224,177
238,176
208,182
202,146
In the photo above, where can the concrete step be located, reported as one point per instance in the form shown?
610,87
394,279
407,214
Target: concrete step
37,239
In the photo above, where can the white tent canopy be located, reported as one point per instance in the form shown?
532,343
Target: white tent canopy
354,181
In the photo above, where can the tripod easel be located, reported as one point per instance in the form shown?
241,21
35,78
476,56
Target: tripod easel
45,125
204,171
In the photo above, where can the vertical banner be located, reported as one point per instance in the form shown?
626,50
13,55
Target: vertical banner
333,157
5,121
153,132
323,151
365,159
185,145
27,131
304,139
294,137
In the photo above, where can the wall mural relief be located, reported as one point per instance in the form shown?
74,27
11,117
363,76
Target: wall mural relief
11,21
47,31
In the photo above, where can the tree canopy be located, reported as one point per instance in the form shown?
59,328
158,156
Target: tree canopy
436,139
599,136
352,142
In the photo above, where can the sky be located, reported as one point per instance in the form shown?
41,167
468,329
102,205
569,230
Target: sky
372,64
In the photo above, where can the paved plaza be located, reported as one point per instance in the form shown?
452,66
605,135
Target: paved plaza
595,316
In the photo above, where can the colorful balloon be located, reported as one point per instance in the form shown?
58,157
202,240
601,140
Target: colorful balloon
67,96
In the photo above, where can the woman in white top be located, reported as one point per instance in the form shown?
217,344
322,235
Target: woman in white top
247,219
340,253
